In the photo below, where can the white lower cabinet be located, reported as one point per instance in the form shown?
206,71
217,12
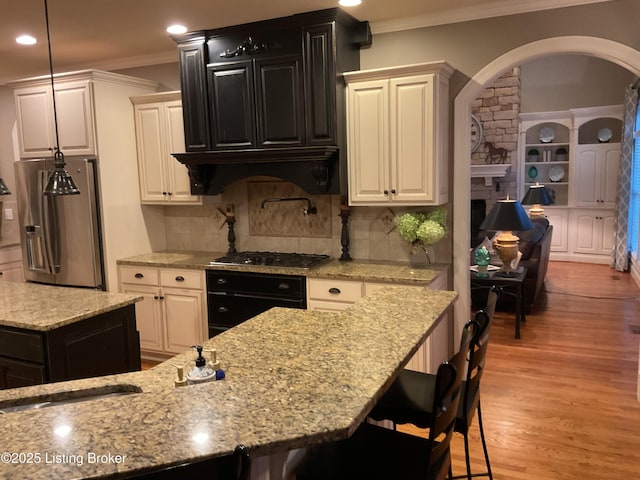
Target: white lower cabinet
332,295
336,295
559,218
581,234
172,315
593,231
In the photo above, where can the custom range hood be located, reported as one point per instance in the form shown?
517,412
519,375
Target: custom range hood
267,98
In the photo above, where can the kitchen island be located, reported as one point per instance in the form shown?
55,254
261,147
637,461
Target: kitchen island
293,378
50,333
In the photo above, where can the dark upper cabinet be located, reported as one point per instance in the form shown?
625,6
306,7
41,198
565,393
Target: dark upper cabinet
267,98
320,80
193,59
256,103
231,97
279,102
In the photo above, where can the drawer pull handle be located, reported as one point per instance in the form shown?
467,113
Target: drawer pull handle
223,309
334,291
139,275
179,278
284,286
221,281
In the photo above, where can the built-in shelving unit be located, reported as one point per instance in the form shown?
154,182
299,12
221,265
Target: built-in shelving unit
578,153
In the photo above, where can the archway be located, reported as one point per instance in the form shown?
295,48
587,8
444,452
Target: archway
609,50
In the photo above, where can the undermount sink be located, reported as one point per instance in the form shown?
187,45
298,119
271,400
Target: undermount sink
63,398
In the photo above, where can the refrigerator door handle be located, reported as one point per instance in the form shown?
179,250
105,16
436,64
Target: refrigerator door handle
35,255
49,228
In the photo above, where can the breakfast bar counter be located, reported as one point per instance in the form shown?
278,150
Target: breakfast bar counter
293,378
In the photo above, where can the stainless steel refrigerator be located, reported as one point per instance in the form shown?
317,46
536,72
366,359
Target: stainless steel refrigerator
60,235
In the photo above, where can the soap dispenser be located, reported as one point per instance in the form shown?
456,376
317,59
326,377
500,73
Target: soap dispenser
201,372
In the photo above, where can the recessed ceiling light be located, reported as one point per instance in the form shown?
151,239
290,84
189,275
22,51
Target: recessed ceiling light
350,3
26,40
176,29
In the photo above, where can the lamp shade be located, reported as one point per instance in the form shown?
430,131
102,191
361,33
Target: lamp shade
537,195
507,215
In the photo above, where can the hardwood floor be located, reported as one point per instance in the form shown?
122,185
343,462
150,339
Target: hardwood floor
560,403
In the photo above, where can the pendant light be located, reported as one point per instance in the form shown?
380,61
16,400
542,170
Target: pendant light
60,181
4,190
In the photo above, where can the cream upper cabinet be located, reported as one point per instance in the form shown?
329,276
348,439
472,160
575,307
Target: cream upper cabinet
596,168
36,126
397,124
159,133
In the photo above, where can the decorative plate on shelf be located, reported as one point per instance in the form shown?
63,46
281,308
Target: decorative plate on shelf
604,135
547,134
556,173
532,173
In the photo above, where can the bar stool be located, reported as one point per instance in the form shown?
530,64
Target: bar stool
407,400
378,453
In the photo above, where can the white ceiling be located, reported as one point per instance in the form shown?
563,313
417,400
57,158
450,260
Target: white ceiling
118,34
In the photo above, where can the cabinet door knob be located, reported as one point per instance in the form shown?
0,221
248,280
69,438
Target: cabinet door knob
334,291
179,278
139,275
164,193
386,192
393,190
156,297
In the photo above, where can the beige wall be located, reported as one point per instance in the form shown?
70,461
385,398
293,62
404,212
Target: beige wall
561,82
469,46
9,231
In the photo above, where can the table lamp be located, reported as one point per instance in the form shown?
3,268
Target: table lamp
537,195
506,216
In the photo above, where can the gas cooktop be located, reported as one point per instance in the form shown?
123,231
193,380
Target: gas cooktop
275,259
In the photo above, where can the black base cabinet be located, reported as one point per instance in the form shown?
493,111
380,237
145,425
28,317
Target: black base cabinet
105,344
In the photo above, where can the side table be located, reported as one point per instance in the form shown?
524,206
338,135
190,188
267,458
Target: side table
510,285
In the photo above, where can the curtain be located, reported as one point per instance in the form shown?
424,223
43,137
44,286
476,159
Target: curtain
620,252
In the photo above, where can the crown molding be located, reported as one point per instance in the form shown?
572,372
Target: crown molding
499,8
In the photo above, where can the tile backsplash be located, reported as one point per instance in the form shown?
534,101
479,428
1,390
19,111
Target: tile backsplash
284,227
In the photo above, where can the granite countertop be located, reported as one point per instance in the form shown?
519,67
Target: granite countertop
361,270
45,307
293,378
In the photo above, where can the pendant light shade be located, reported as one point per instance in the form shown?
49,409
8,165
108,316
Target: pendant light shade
4,190
60,181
